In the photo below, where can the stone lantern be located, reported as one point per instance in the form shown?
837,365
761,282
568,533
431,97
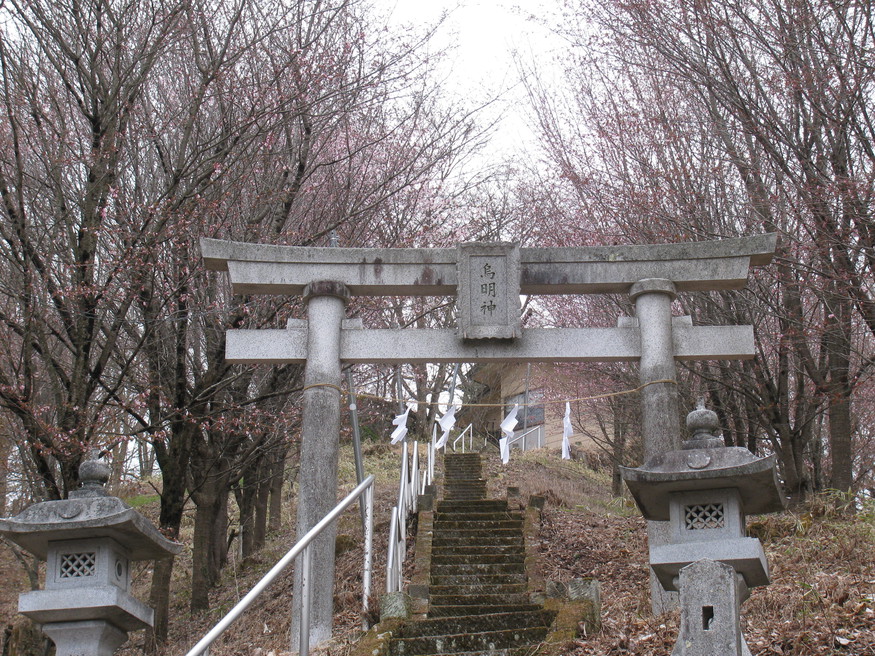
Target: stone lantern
704,490
88,542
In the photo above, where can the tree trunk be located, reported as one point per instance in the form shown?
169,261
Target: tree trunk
275,520
839,395
792,464
159,600
209,545
220,543
173,463
817,455
146,457
245,493
262,494
619,448
119,456
203,567
5,448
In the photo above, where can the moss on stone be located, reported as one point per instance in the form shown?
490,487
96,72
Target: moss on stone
376,641
573,619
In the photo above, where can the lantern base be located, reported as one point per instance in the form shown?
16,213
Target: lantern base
93,637
100,603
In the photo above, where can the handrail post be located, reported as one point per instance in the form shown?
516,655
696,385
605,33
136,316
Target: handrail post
356,438
414,482
306,596
369,555
432,453
402,505
393,547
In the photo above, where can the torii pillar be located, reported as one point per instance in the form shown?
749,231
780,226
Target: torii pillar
488,279
320,430
660,407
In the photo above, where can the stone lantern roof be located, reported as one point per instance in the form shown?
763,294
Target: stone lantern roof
704,463
89,513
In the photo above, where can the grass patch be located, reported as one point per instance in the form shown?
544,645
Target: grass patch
140,500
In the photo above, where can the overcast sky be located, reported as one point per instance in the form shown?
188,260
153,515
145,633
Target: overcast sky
484,34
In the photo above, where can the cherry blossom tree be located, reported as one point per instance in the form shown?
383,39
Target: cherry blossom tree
696,121
132,130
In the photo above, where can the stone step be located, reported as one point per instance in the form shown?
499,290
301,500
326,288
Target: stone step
478,579
436,626
486,505
475,589
481,525
521,651
478,550
484,642
466,488
473,481
466,610
476,514
476,509
463,559
479,600
473,535
453,459
470,496
469,538
479,544
464,485
477,569
477,564
465,493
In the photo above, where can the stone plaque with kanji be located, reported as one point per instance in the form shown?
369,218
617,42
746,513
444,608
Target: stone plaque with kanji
489,290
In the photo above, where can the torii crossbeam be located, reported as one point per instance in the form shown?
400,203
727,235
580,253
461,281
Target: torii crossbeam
487,279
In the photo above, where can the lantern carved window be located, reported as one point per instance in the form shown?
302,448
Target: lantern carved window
704,516
77,565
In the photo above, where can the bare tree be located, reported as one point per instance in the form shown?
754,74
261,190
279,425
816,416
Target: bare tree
132,130
692,121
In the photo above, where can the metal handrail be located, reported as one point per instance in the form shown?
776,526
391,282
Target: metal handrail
428,477
393,558
303,546
469,430
522,436
412,482
398,525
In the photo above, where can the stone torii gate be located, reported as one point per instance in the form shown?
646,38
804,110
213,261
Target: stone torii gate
488,279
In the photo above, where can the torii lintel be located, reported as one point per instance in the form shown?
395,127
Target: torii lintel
286,270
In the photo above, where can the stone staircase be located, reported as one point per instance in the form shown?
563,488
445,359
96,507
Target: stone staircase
478,602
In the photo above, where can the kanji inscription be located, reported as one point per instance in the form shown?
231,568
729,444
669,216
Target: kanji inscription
489,286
